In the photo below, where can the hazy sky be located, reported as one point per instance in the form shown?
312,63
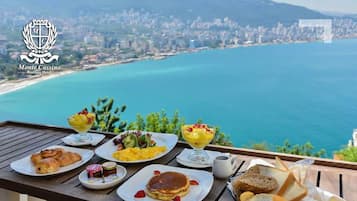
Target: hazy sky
344,6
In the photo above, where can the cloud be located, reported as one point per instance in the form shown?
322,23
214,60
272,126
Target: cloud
341,6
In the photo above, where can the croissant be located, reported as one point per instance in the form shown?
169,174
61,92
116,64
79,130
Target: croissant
68,158
47,165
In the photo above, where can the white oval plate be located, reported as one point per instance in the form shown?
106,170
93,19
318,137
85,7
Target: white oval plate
107,149
25,166
97,184
138,182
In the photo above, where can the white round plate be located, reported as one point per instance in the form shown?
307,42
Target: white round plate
97,183
107,149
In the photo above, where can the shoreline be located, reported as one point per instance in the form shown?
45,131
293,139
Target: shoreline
14,85
8,86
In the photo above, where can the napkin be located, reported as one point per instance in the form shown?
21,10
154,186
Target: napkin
259,161
183,156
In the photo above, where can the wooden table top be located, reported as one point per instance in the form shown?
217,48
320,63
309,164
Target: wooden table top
18,140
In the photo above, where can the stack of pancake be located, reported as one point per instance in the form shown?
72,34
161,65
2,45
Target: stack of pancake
168,185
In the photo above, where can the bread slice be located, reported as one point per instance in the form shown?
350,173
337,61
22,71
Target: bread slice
252,170
267,197
280,164
295,192
284,178
255,183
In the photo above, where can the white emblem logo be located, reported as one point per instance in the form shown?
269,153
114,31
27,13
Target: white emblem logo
39,37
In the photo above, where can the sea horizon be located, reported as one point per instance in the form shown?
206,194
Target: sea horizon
258,93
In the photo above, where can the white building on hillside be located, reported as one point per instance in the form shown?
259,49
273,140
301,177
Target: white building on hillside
353,141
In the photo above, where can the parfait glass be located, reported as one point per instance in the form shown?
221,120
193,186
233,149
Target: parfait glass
198,136
82,122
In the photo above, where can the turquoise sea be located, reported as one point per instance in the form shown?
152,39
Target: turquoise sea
268,93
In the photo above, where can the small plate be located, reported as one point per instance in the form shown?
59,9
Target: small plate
182,158
193,165
107,149
97,183
72,141
25,166
138,182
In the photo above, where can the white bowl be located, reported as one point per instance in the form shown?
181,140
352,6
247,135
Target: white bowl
97,183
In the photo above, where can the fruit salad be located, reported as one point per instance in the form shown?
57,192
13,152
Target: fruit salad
198,135
82,121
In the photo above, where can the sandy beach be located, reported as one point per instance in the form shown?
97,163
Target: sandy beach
8,86
13,85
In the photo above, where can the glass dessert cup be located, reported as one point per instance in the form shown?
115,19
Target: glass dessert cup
198,136
82,122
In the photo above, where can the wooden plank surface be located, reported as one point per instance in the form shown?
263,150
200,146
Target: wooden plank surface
312,176
18,140
13,156
349,187
330,181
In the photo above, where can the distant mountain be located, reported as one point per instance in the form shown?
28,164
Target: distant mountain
338,14
245,12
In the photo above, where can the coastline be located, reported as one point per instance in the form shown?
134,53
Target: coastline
8,86
14,85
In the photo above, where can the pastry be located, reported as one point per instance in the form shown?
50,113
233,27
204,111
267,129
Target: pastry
52,153
50,160
109,168
168,185
35,158
94,170
68,158
47,165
